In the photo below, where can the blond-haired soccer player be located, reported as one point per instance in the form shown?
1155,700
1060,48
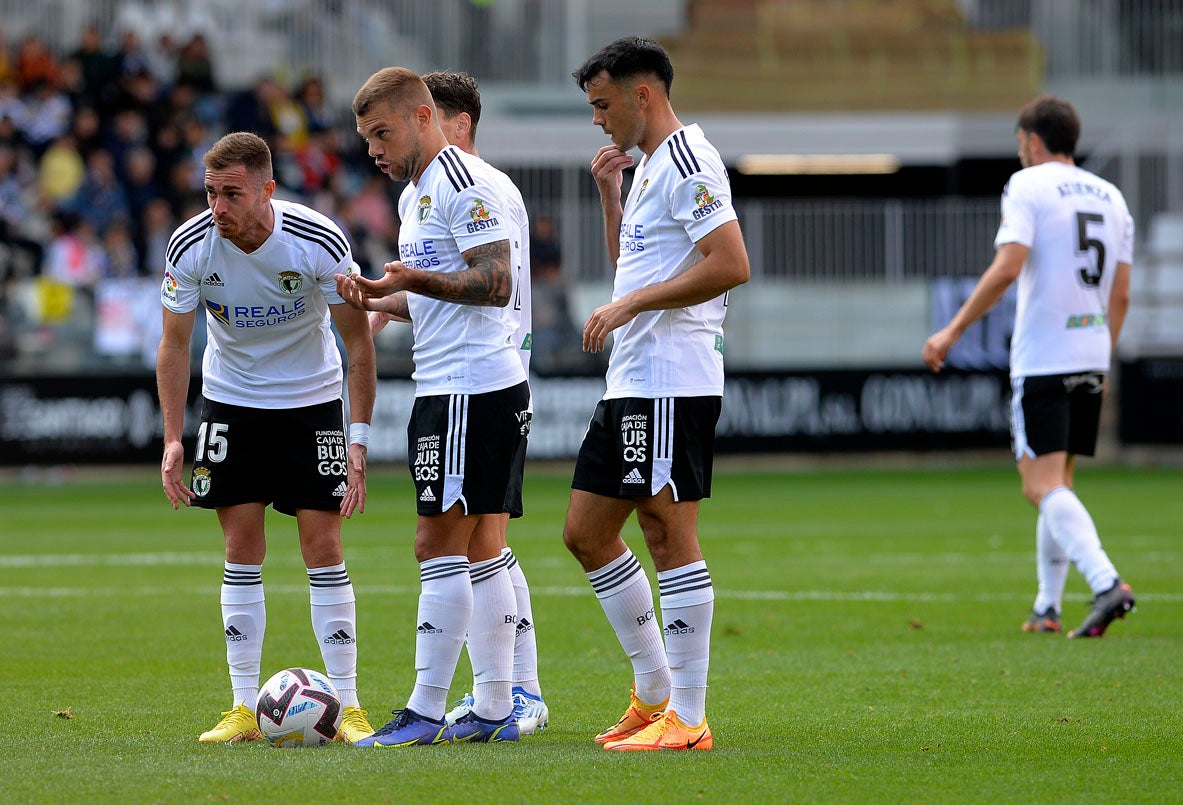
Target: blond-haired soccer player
272,428
454,281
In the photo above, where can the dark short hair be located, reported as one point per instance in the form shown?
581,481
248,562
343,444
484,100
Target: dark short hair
402,89
628,57
1054,120
240,148
455,92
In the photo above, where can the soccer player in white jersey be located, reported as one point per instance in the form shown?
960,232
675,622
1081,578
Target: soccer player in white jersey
471,409
1067,238
458,101
678,249
272,427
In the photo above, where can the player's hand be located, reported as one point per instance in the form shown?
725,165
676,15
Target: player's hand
355,494
378,321
170,476
608,166
936,348
603,321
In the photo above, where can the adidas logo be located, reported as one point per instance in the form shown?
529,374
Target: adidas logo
341,489
523,627
214,279
679,627
340,638
633,477
235,636
428,496
427,628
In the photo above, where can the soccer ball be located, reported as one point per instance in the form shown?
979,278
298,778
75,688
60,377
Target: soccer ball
298,707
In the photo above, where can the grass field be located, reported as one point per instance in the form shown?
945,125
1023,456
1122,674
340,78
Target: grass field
866,648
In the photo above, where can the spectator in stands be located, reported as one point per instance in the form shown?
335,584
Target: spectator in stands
35,64
47,115
74,256
195,67
318,113
87,129
162,60
122,260
99,68
100,199
156,227
22,255
60,171
13,112
139,181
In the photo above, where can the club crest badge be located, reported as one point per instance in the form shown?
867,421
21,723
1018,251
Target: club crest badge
201,482
290,281
424,209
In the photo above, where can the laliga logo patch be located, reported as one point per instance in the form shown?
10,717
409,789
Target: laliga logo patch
478,211
168,288
290,281
201,482
424,209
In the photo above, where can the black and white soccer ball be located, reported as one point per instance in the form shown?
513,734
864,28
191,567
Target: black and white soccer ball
298,707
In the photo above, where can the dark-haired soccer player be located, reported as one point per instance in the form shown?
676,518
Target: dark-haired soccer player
1067,238
272,427
678,249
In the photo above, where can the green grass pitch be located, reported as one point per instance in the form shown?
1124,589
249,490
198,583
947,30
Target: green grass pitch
866,648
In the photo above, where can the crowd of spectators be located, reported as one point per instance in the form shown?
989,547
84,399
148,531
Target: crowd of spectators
100,159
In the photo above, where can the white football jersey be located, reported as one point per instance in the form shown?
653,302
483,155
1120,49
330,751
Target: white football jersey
270,343
519,247
1078,228
678,196
459,349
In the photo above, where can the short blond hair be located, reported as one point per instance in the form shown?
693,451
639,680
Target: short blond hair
402,89
240,148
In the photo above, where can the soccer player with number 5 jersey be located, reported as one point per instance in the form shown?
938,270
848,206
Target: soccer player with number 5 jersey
1067,238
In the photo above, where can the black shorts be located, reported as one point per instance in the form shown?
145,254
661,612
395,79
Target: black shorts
461,448
635,447
517,475
1053,413
292,458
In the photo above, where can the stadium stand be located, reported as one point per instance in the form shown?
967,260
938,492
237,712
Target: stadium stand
782,55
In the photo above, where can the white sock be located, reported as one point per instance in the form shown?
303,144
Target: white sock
525,645
445,608
244,618
687,608
1073,530
490,638
334,622
1051,565
627,599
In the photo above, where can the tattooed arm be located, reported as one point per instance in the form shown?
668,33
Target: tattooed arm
488,280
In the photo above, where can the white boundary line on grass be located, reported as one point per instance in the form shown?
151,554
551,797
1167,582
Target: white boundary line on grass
853,596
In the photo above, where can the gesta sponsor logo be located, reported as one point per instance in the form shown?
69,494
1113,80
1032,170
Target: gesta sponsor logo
482,219
705,202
